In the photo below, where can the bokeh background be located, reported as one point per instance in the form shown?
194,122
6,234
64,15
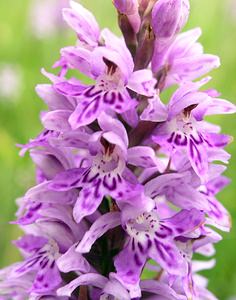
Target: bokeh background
31,34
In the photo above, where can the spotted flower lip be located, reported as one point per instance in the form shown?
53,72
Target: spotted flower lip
125,184
107,173
147,236
153,238
43,262
183,132
112,66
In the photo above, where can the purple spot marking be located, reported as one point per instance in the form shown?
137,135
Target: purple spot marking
89,92
109,97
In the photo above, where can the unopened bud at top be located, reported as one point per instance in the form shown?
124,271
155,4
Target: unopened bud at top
126,6
169,17
130,9
145,6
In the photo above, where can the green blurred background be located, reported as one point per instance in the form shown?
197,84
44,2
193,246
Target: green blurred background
19,116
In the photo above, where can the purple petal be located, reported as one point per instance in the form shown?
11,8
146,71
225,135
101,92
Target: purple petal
142,82
132,194
121,101
186,96
142,156
160,289
99,227
57,120
156,111
57,231
93,279
190,68
47,280
83,22
42,194
107,123
203,265
54,100
115,139
114,56
63,214
155,186
116,289
168,18
220,106
78,58
86,112
185,221
185,45
219,154
213,106
69,89
73,261
118,45
219,215
197,154
217,140
217,183
169,257
208,237
67,180
88,201
129,265
30,243
47,163
131,117
32,213
187,197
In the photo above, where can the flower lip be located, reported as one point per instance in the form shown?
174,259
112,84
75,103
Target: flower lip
106,164
185,124
108,159
145,223
107,84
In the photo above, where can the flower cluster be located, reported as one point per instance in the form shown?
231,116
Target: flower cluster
126,185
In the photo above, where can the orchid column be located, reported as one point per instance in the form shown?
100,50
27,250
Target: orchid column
125,185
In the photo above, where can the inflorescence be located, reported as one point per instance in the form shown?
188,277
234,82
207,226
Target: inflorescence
126,185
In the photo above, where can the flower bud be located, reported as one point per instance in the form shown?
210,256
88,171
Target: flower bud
146,6
169,17
143,4
129,8
126,6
